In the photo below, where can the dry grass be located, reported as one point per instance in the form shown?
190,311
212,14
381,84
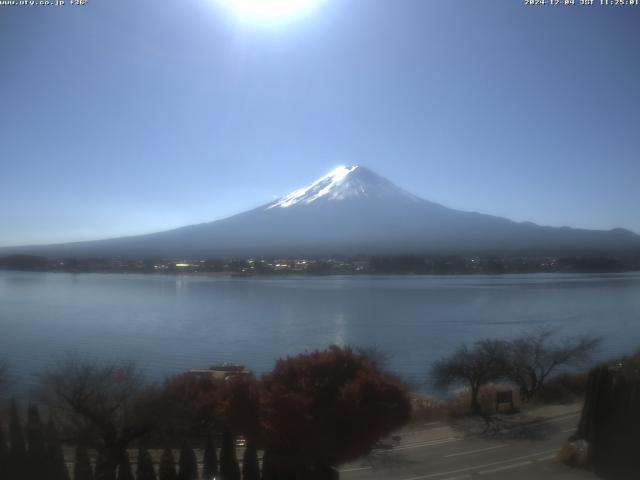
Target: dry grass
427,408
562,389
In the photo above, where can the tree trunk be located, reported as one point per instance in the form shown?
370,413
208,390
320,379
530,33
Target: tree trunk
475,406
105,468
250,465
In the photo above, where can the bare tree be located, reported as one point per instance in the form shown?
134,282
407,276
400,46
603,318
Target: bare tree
104,406
534,356
484,362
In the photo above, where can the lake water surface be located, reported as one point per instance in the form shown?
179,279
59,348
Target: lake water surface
173,323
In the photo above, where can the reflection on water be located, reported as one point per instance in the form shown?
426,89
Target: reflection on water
339,334
172,323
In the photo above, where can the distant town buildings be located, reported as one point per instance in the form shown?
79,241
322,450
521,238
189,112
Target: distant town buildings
382,264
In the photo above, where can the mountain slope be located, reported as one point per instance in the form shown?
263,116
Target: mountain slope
352,210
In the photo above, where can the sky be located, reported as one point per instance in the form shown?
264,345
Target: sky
122,117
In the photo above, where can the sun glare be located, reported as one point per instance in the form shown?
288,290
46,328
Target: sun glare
268,11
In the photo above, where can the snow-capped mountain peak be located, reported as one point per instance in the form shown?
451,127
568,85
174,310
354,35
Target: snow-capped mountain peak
318,189
341,183
350,211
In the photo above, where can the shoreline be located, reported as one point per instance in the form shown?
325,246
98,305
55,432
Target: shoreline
301,274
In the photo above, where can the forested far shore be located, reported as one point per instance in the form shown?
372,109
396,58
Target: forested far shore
338,265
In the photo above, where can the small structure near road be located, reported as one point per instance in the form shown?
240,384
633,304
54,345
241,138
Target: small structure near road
504,396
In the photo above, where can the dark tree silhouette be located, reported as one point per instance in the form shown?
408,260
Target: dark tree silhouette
82,466
190,405
37,453
269,469
240,406
124,468
328,407
188,463
229,468
610,419
104,468
240,415
18,452
167,470
104,406
485,362
534,357
56,463
145,469
4,375
210,460
4,455
250,465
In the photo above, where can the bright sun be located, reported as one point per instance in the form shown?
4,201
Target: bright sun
268,11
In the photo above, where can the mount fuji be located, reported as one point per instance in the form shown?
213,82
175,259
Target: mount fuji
352,210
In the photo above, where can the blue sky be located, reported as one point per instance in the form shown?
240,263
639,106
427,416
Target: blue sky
125,117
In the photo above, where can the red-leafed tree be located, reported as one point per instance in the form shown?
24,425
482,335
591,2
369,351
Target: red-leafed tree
191,405
239,408
328,407
239,412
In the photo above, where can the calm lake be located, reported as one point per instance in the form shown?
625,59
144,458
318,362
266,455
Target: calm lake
173,323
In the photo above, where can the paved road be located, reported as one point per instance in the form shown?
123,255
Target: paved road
505,448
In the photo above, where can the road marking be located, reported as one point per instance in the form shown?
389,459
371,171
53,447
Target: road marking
429,424
431,443
445,440
354,469
547,458
559,419
476,467
505,468
517,465
540,422
470,452
418,431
